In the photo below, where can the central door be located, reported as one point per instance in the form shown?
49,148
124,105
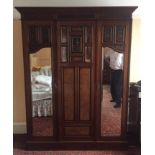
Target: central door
76,80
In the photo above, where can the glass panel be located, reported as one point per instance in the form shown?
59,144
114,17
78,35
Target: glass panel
86,34
63,34
76,44
41,89
88,54
64,54
112,76
120,33
108,33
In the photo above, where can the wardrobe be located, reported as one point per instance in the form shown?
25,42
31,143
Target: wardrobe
75,38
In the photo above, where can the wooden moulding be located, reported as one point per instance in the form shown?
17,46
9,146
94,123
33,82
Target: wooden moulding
48,13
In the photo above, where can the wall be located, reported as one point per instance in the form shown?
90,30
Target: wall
19,116
135,62
19,99
41,58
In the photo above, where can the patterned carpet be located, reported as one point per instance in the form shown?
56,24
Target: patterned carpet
129,152
110,116
42,126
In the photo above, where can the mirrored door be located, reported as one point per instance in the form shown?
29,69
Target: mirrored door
113,40
41,70
112,80
39,63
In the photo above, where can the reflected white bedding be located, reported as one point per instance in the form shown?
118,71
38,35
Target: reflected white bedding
41,95
42,101
40,92
42,108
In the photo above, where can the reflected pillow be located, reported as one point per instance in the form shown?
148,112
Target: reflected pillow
36,68
44,79
40,88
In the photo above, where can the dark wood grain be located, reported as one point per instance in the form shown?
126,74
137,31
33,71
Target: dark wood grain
68,93
77,131
85,93
48,13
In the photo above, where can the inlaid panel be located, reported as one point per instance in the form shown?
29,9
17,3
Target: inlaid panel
120,33
39,36
68,93
114,36
76,59
76,44
77,131
85,93
108,33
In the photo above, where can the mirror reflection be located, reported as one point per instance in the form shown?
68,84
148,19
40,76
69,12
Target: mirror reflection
41,89
112,80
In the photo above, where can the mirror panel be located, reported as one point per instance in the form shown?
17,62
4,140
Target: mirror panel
112,80
41,92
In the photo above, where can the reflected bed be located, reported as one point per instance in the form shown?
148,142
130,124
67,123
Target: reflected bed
41,85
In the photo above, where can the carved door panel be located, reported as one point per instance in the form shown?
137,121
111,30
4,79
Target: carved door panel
76,80
39,35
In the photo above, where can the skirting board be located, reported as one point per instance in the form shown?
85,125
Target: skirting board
19,128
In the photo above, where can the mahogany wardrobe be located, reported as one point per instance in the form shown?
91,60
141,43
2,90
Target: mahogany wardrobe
63,51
